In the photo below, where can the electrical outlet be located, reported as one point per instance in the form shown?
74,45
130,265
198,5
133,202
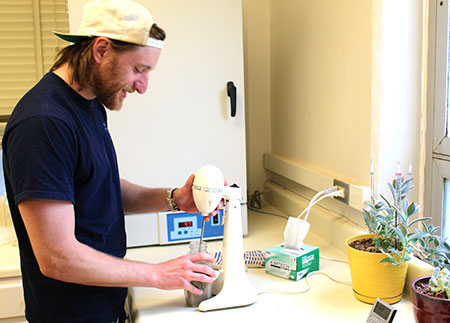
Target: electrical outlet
346,189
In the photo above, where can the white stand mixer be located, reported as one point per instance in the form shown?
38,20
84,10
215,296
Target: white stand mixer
208,190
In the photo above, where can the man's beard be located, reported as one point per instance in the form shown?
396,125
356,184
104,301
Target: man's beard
107,85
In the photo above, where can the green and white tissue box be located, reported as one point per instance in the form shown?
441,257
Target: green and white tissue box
292,264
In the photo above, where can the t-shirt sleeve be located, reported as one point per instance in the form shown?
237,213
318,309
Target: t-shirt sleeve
40,154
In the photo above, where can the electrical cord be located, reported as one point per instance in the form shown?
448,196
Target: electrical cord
333,259
336,193
308,287
332,191
313,200
307,281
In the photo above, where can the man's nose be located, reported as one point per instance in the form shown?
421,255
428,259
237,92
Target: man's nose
141,84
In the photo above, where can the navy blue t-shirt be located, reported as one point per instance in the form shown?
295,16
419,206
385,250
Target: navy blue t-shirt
57,146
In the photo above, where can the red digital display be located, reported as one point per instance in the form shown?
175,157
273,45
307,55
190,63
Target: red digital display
185,224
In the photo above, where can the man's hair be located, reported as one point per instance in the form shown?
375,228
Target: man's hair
80,59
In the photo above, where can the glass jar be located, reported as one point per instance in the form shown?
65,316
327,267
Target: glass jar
192,299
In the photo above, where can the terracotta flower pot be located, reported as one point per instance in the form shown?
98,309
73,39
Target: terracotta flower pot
429,309
372,279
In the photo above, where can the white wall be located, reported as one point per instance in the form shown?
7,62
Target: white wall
256,25
321,84
400,109
345,86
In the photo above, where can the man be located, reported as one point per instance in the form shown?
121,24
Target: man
65,194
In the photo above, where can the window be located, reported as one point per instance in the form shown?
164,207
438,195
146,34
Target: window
438,154
27,45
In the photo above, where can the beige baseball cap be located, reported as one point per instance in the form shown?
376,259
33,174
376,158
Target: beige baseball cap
123,20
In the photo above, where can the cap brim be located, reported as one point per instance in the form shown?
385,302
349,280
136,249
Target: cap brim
70,38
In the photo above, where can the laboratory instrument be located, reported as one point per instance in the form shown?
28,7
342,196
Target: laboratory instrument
381,312
184,227
208,191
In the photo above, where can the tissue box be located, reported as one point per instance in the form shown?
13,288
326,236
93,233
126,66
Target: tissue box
292,264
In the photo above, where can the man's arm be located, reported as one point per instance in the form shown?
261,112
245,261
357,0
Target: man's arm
50,227
140,199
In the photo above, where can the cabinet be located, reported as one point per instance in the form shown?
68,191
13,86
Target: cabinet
12,305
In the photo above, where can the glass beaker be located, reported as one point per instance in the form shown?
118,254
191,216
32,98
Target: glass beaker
192,299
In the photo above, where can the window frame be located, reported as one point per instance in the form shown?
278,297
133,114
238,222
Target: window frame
438,141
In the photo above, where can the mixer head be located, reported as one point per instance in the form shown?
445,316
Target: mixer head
208,188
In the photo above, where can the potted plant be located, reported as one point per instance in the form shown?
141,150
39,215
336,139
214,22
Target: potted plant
378,260
430,295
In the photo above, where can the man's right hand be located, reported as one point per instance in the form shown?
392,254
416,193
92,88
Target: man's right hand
178,273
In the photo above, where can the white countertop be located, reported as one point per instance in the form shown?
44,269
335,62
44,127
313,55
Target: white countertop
9,260
326,301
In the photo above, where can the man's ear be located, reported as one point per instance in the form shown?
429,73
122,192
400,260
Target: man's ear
100,48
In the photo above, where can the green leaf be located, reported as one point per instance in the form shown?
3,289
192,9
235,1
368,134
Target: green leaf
436,241
388,204
413,208
403,216
406,188
408,250
408,181
379,205
433,281
433,229
405,204
400,235
388,260
395,251
392,188
418,220
420,235
429,250
403,229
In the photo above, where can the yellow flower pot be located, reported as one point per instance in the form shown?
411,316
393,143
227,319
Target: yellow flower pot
372,279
